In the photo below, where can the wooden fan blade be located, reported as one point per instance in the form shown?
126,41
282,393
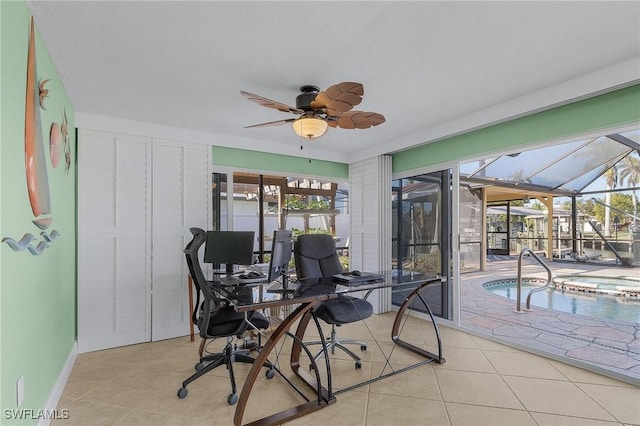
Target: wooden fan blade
272,123
359,119
339,98
260,100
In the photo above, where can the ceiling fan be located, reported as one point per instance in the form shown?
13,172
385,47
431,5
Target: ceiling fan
317,110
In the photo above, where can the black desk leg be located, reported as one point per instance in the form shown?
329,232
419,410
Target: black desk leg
395,331
286,415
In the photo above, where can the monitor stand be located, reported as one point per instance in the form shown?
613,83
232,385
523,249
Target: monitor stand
227,271
285,280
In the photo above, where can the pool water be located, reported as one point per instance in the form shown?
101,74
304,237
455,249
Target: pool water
601,306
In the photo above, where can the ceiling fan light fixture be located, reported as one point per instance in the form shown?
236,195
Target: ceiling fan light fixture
317,110
310,127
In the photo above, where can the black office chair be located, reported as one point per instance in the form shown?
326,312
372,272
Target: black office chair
315,256
217,318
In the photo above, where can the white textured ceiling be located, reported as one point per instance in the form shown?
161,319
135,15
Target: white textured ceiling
432,68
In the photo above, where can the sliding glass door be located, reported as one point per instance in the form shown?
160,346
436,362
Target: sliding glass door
470,222
422,233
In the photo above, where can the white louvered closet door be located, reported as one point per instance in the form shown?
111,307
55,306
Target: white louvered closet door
181,199
370,217
114,246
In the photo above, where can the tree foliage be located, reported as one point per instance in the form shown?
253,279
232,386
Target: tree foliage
619,201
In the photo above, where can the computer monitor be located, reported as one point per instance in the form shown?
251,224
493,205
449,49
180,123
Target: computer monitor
230,248
281,250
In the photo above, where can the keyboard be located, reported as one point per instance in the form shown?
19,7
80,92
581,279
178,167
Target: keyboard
251,278
349,278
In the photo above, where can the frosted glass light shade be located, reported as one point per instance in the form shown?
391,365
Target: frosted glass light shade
310,127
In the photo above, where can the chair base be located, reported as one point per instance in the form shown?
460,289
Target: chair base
227,357
332,343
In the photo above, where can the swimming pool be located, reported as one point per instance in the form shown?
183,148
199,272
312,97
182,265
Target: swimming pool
616,286
593,304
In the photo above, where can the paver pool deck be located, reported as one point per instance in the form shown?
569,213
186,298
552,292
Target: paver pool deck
606,346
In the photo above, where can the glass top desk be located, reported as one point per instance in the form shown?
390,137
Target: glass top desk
302,299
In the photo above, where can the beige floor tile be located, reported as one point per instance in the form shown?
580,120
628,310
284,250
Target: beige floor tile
137,385
465,359
88,368
179,364
115,395
267,397
389,410
380,369
344,373
220,414
456,338
622,402
544,419
556,397
131,391
396,355
475,415
476,388
365,355
77,387
416,383
523,364
409,330
486,344
83,413
203,394
64,402
580,375
145,418
349,410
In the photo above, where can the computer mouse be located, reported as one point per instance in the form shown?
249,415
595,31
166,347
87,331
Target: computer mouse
250,275
356,273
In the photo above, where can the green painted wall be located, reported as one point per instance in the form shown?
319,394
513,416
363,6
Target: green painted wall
615,109
37,293
240,158
1,204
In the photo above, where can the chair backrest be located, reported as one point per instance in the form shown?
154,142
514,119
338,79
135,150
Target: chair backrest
211,302
315,256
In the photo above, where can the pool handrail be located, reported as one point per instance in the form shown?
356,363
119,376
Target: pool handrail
519,281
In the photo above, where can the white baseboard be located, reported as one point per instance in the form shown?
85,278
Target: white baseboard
56,392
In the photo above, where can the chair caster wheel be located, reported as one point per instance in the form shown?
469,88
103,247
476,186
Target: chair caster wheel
182,393
363,347
232,399
269,374
358,365
199,366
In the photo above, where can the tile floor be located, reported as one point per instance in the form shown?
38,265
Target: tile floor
481,383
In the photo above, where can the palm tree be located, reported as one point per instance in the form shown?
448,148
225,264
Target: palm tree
630,172
611,177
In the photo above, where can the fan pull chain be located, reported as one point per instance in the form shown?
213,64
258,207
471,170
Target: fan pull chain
308,155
